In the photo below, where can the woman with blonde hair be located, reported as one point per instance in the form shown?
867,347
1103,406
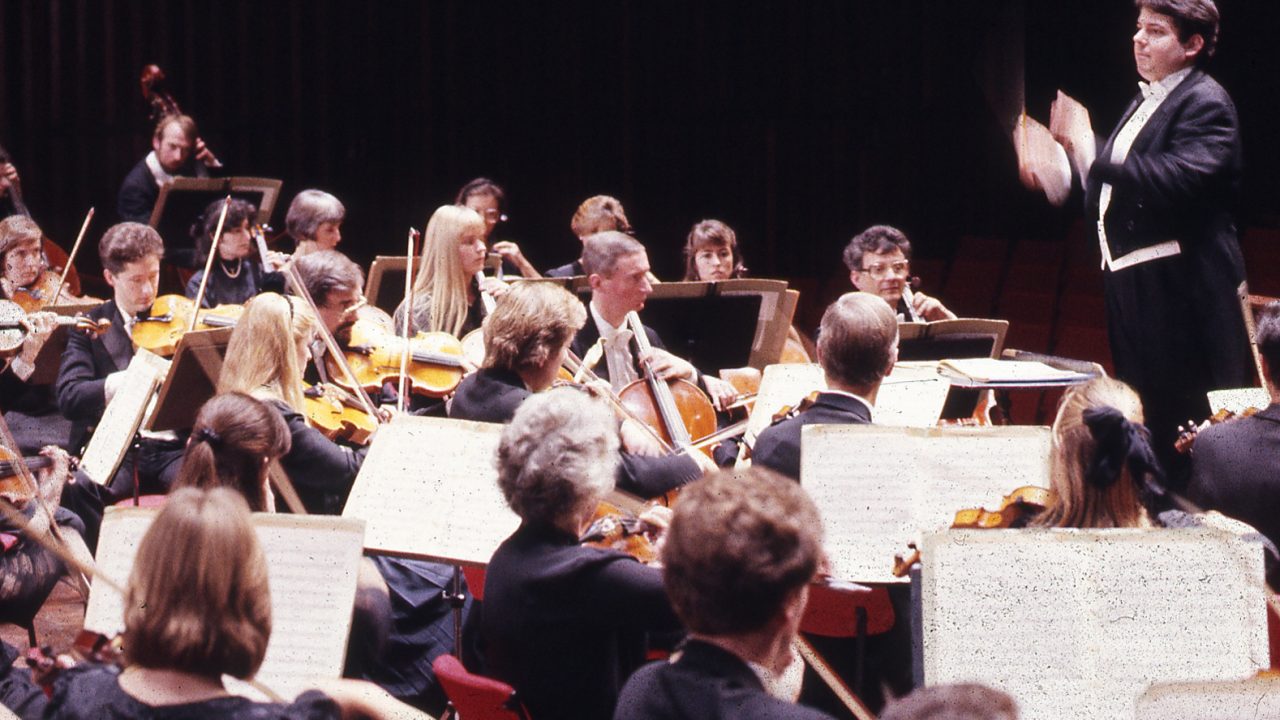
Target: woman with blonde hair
198,607
446,294
265,359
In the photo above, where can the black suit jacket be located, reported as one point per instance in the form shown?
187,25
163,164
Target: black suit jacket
493,395
706,683
778,446
573,269
565,623
1235,469
86,363
1180,181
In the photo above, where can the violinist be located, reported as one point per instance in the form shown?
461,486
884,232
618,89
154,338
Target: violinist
265,359
487,198
8,178
334,281
879,262
857,348
526,338
446,294
564,623
26,270
617,266
596,214
741,603
961,701
23,267
179,644
237,273
1234,466
314,221
176,149
93,368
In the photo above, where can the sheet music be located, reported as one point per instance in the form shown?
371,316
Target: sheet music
879,488
782,386
1237,399
312,563
1257,697
429,489
912,395
123,416
1077,623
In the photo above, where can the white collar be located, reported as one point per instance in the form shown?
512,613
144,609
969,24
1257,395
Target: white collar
157,172
607,330
859,398
1161,88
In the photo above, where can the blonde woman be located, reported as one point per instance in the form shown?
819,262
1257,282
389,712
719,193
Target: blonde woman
446,295
265,359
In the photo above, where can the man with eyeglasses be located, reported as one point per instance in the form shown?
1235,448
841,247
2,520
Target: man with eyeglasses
879,261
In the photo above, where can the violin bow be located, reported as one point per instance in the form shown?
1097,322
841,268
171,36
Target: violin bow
71,257
404,326
330,343
208,264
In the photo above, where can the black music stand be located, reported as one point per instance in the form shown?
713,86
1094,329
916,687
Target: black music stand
182,201
192,379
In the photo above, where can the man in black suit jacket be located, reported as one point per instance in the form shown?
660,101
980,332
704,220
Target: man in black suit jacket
176,149
743,617
93,368
617,268
1159,198
1235,466
857,347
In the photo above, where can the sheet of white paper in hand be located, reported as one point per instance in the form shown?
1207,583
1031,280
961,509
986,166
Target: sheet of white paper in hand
125,413
782,386
1257,697
912,395
311,566
1076,624
429,489
1237,400
879,488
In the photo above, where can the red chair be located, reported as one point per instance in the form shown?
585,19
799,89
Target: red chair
847,614
146,501
476,697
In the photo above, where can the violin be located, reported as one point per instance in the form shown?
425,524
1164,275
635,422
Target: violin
678,410
89,646
1187,433
13,482
337,415
435,359
15,327
616,525
1015,511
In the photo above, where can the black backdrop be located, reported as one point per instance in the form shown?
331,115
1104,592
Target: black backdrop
798,123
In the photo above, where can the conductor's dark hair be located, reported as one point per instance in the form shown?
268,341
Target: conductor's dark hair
1190,17
1268,335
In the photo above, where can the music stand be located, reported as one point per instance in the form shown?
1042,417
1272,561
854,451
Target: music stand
965,338
185,199
192,379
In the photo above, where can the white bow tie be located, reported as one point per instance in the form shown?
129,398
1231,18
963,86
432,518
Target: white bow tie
1150,90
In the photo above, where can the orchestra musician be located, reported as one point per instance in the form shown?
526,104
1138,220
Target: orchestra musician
526,338
178,644
236,274
24,265
596,214
93,368
8,178
737,562
334,281
446,295
617,267
711,253
857,348
1160,197
265,357
314,221
487,198
1233,467
879,262
963,701
176,149
564,623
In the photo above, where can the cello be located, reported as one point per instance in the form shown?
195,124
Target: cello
677,409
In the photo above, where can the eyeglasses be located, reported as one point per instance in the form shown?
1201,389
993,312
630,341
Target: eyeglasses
879,270
494,215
